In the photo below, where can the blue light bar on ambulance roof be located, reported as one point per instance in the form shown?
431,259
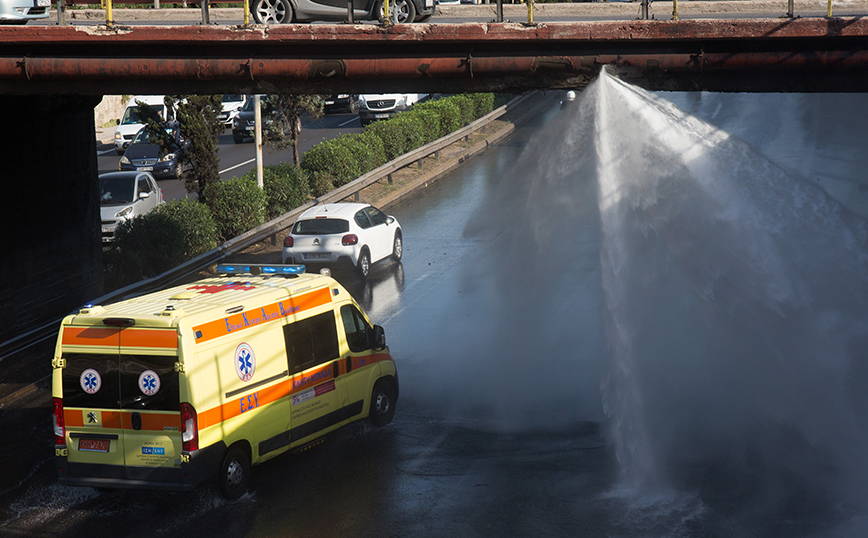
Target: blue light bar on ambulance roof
257,269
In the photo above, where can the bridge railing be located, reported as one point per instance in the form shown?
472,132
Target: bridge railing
634,9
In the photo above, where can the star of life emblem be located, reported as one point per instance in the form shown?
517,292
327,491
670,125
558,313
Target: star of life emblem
245,362
90,381
149,382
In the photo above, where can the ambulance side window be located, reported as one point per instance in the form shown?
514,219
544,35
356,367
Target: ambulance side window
310,342
357,329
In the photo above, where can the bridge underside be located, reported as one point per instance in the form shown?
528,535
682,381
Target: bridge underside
758,55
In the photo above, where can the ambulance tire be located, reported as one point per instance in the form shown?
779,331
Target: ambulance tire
235,473
382,403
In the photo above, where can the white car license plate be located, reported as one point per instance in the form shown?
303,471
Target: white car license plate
43,3
106,229
145,168
318,256
381,116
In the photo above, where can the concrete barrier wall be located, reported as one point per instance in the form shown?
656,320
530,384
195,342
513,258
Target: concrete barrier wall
109,109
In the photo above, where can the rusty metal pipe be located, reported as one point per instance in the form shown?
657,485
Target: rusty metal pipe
101,69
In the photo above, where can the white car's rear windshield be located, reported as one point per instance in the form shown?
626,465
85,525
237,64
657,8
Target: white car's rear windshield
321,226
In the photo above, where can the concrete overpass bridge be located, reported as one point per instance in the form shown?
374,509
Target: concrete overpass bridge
51,77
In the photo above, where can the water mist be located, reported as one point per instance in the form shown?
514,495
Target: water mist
736,306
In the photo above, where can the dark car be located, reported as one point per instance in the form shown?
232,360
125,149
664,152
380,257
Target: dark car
341,102
244,124
285,11
144,154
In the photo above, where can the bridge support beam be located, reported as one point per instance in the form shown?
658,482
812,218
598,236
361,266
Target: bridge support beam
52,254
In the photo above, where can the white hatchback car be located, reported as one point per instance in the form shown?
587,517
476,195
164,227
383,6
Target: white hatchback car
355,234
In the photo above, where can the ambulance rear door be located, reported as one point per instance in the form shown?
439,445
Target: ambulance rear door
121,403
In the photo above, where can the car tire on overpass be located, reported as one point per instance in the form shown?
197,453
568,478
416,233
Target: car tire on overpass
271,11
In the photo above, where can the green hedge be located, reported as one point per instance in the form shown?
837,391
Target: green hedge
155,242
286,187
238,205
344,158
448,112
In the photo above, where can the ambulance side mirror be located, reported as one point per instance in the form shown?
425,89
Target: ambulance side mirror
379,338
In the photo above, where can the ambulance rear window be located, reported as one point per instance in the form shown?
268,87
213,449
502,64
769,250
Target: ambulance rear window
111,381
310,342
91,380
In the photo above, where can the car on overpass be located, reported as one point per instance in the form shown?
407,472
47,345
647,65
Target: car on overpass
286,11
21,11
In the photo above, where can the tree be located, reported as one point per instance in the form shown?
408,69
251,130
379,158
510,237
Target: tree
284,110
197,118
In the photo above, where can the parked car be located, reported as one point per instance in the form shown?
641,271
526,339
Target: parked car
124,196
341,102
285,11
232,104
244,124
21,11
381,106
357,235
144,154
130,123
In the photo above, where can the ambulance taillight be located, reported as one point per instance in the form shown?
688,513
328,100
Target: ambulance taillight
189,428
57,422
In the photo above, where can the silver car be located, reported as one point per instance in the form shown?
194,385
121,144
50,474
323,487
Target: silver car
124,196
285,11
21,11
357,235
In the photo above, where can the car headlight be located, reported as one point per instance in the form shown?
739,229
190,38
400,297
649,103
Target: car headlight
125,160
167,157
124,213
401,101
118,135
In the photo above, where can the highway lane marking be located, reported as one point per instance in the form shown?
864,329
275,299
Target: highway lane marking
236,166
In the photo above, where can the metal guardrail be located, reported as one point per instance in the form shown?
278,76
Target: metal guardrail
268,230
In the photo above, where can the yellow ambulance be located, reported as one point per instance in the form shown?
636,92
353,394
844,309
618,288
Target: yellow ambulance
204,380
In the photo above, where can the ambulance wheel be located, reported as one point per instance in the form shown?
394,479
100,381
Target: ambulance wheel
382,403
235,473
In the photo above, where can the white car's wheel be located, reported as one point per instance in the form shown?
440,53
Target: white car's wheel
364,265
398,247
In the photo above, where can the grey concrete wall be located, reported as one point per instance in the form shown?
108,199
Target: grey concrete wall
110,108
52,255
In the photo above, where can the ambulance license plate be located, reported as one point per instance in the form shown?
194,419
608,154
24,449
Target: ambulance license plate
94,445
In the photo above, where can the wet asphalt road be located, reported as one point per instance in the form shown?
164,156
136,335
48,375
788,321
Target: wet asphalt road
445,466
